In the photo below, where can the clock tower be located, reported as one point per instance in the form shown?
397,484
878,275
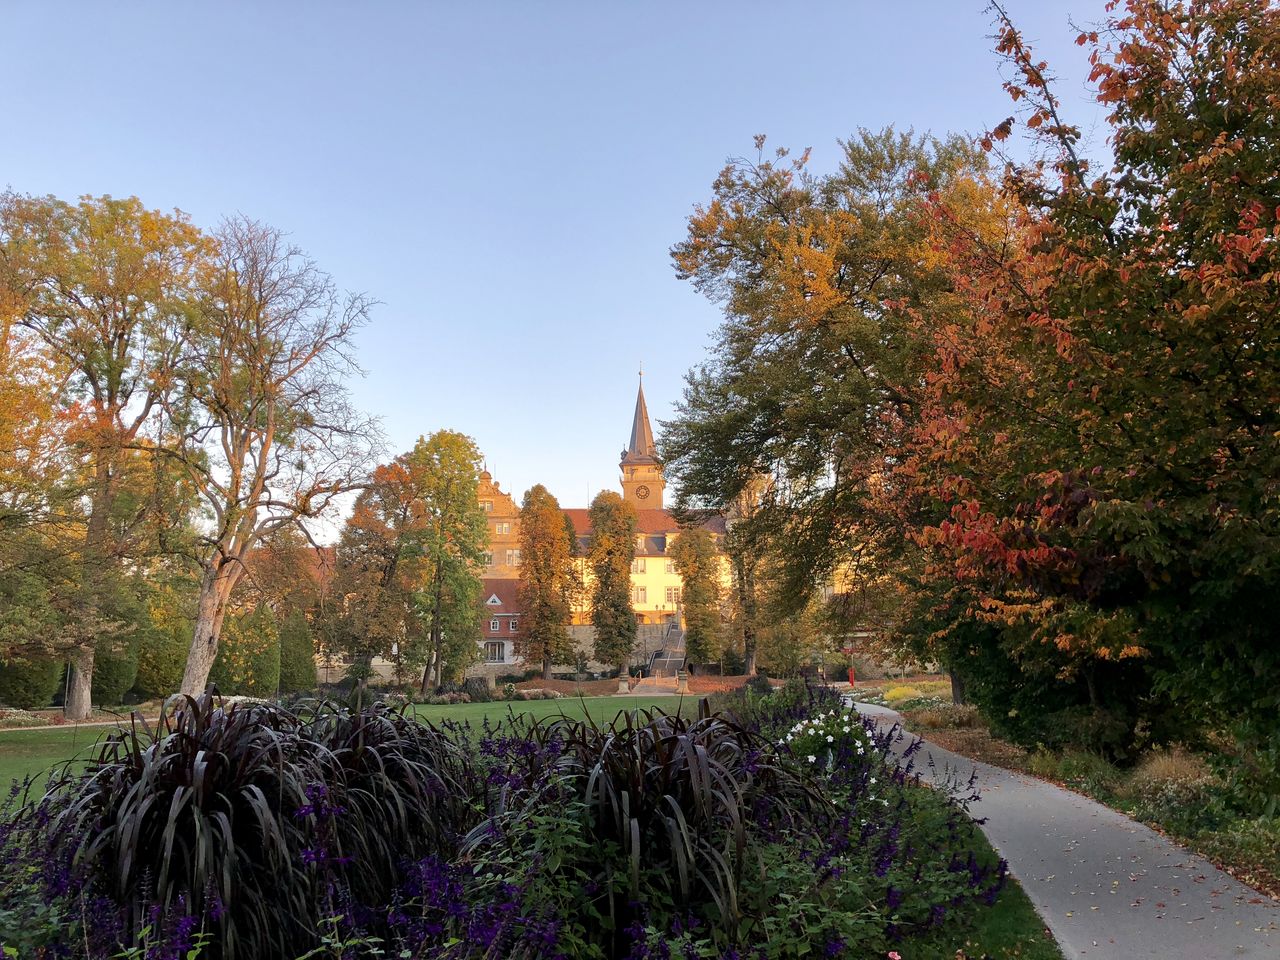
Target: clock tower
642,482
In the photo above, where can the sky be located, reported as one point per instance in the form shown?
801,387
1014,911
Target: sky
505,178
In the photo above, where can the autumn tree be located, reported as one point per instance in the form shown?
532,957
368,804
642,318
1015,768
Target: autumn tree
1100,432
371,597
697,561
613,547
451,537
259,413
547,578
107,287
811,377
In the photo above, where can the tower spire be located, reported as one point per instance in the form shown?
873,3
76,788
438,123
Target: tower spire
641,447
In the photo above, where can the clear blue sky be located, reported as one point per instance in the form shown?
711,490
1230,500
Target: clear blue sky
506,178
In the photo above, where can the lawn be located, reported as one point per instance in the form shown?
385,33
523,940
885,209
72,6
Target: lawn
25,753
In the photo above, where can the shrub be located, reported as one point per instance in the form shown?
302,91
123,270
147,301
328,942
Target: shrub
248,661
676,797
945,717
162,656
22,718
900,694
297,654
29,684
1093,773
251,818
114,673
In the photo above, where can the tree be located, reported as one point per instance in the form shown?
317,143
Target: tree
1100,433
613,548
260,416
547,579
450,535
378,570
297,654
105,285
697,561
811,379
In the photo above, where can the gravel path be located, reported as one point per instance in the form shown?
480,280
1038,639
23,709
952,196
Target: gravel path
1107,887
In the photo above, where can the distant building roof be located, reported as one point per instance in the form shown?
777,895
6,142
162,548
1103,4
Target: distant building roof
507,593
647,522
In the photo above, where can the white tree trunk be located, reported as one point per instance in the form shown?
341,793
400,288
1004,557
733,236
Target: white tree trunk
79,685
211,609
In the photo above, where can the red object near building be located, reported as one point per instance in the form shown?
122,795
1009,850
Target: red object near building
851,676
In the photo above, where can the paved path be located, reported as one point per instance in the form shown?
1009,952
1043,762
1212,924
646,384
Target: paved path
1110,888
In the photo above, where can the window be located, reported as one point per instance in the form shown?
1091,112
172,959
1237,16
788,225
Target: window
494,625
486,505
488,558
640,543
493,600
502,528
637,565
639,594
513,558
515,624
673,594
671,566
495,651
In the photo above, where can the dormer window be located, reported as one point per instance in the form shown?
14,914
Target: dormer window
493,601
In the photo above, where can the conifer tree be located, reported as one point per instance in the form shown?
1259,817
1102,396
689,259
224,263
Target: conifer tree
613,538
698,563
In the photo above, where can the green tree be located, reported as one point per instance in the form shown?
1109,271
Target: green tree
613,548
547,579
811,376
450,536
697,560
106,286
297,654
248,663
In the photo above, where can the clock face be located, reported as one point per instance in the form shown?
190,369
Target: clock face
642,492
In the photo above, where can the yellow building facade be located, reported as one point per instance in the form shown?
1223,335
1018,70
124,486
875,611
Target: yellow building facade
655,585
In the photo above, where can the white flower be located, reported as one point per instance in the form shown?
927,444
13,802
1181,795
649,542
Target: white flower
789,740
781,742
830,738
846,729
872,781
812,758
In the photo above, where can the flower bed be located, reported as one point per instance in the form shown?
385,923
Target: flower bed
768,826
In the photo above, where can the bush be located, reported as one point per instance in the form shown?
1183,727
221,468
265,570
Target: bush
901,694
297,655
29,684
945,717
291,808
115,672
162,657
248,662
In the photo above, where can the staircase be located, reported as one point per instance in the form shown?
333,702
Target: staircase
669,660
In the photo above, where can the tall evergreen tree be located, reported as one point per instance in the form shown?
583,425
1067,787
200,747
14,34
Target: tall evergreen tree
697,561
613,547
547,577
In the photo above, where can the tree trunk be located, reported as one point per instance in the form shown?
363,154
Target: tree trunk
546,667
957,689
749,651
211,610
79,701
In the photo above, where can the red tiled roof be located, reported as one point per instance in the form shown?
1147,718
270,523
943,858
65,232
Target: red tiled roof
647,521
507,592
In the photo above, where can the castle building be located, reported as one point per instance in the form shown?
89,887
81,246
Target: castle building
655,585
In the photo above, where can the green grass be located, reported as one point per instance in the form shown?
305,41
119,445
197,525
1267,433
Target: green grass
1011,928
30,753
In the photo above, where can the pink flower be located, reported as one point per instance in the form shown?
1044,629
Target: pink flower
894,955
